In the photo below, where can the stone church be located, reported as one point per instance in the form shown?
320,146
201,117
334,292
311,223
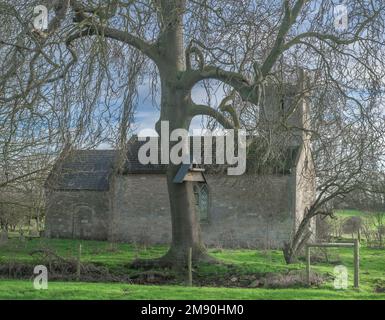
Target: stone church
87,198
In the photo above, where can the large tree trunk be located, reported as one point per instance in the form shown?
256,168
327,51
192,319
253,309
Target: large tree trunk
174,101
186,231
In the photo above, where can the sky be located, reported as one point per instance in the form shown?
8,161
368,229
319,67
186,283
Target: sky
147,114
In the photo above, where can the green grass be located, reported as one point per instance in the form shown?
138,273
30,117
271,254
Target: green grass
244,261
92,251
347,213
370,223
17,289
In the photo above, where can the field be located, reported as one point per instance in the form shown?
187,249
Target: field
242,273
239,264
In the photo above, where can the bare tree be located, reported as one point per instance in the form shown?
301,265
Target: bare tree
348,150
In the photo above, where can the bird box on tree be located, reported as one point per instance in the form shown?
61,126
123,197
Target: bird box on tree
189,172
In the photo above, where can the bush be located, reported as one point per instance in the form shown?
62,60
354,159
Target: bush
352,225
324,229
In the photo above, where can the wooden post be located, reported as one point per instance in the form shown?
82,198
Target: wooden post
356,263
308,265
78,266
356,247
189,266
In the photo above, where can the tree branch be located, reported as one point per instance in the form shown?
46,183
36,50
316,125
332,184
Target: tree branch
242,85
288,20
229,108
247,89
331,37
204,110
92,27
199,56
119,35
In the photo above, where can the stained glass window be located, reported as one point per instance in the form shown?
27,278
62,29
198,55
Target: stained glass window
202,200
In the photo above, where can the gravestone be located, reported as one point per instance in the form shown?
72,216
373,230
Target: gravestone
3,237
21,236
34,233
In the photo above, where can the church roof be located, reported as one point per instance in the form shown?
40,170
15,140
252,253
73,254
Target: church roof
92,169
82,170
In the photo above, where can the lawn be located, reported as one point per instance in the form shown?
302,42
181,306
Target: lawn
17,289
238,262
349,213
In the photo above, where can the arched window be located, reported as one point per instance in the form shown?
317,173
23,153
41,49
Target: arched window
201,193
82,222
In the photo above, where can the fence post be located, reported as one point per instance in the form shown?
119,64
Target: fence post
78,265
189,266
308,265
356,263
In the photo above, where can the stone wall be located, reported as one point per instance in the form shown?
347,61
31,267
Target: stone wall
305,186
140,209
246,211
249,211
77,214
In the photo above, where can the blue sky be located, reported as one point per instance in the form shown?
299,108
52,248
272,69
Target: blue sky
147,114
147,110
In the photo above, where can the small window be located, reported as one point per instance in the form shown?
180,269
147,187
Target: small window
201,193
